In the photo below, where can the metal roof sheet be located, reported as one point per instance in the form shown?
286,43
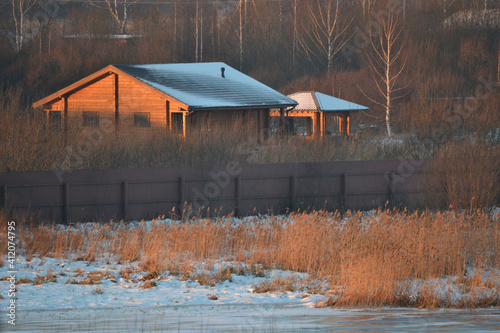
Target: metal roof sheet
316,101
201,85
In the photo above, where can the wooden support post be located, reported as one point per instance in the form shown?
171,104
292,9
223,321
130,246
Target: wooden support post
344,124
184,129
322,124
239,211
208,120
348,124
167,115
65,115
66,203
317,125
281,123
125,199
115,97
266,115
293,196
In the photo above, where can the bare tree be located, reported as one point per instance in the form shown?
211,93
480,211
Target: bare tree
242,10
327,33
295,34
118,9
367,6
19,10
197,32
388,63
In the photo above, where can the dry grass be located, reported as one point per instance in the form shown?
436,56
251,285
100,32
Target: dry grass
49,277
466,176
25,144
377,258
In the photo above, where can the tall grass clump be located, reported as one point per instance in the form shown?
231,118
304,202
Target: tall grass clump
465,176
383,257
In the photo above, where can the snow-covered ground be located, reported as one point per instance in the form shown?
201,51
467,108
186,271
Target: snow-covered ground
120,304
67,295
112,289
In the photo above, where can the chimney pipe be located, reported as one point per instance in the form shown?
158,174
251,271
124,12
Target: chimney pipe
222,69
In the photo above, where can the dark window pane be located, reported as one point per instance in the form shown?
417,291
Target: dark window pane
90,118
177,123
141,119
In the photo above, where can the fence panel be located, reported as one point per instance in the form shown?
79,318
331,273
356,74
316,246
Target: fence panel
88,195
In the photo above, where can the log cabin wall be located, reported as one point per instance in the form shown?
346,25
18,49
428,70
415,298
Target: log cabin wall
118,106
134,107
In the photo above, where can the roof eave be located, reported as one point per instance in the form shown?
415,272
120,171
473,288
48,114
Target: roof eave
92,78
72,88
267,106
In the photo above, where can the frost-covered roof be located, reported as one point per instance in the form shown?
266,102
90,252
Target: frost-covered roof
316,101
201,85
473,18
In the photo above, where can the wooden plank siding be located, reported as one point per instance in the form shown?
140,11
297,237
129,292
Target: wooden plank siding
118,97
137,98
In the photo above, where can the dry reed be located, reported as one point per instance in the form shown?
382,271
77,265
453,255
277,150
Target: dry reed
376,258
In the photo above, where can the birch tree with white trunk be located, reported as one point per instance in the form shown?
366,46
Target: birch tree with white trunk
20,9
327,32
388,62
118,9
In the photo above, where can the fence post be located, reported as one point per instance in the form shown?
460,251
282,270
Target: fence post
125,199
238,196
182,194
392,188
66,203
293,188
344,190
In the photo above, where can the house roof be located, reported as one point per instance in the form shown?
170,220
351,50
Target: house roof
473,18
198,86
316,101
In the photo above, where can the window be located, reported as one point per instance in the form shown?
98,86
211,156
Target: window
90,118
55,120
141,119
177,121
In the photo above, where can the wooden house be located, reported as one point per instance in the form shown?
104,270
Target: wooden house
175,97
315,110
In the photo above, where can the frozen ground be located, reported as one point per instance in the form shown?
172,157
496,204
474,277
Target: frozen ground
118,304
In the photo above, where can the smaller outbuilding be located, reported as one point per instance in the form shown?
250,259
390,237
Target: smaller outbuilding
315,110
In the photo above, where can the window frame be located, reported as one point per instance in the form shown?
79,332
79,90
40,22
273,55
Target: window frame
176,127
90,114
138,115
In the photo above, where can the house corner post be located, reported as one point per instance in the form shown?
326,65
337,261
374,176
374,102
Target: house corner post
116,101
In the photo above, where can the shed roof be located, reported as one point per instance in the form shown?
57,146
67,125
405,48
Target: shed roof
198,85
316,101
201,85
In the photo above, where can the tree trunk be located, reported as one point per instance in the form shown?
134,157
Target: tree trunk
241,35
294,43
196,35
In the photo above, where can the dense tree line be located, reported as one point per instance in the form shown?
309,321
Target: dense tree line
407,59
